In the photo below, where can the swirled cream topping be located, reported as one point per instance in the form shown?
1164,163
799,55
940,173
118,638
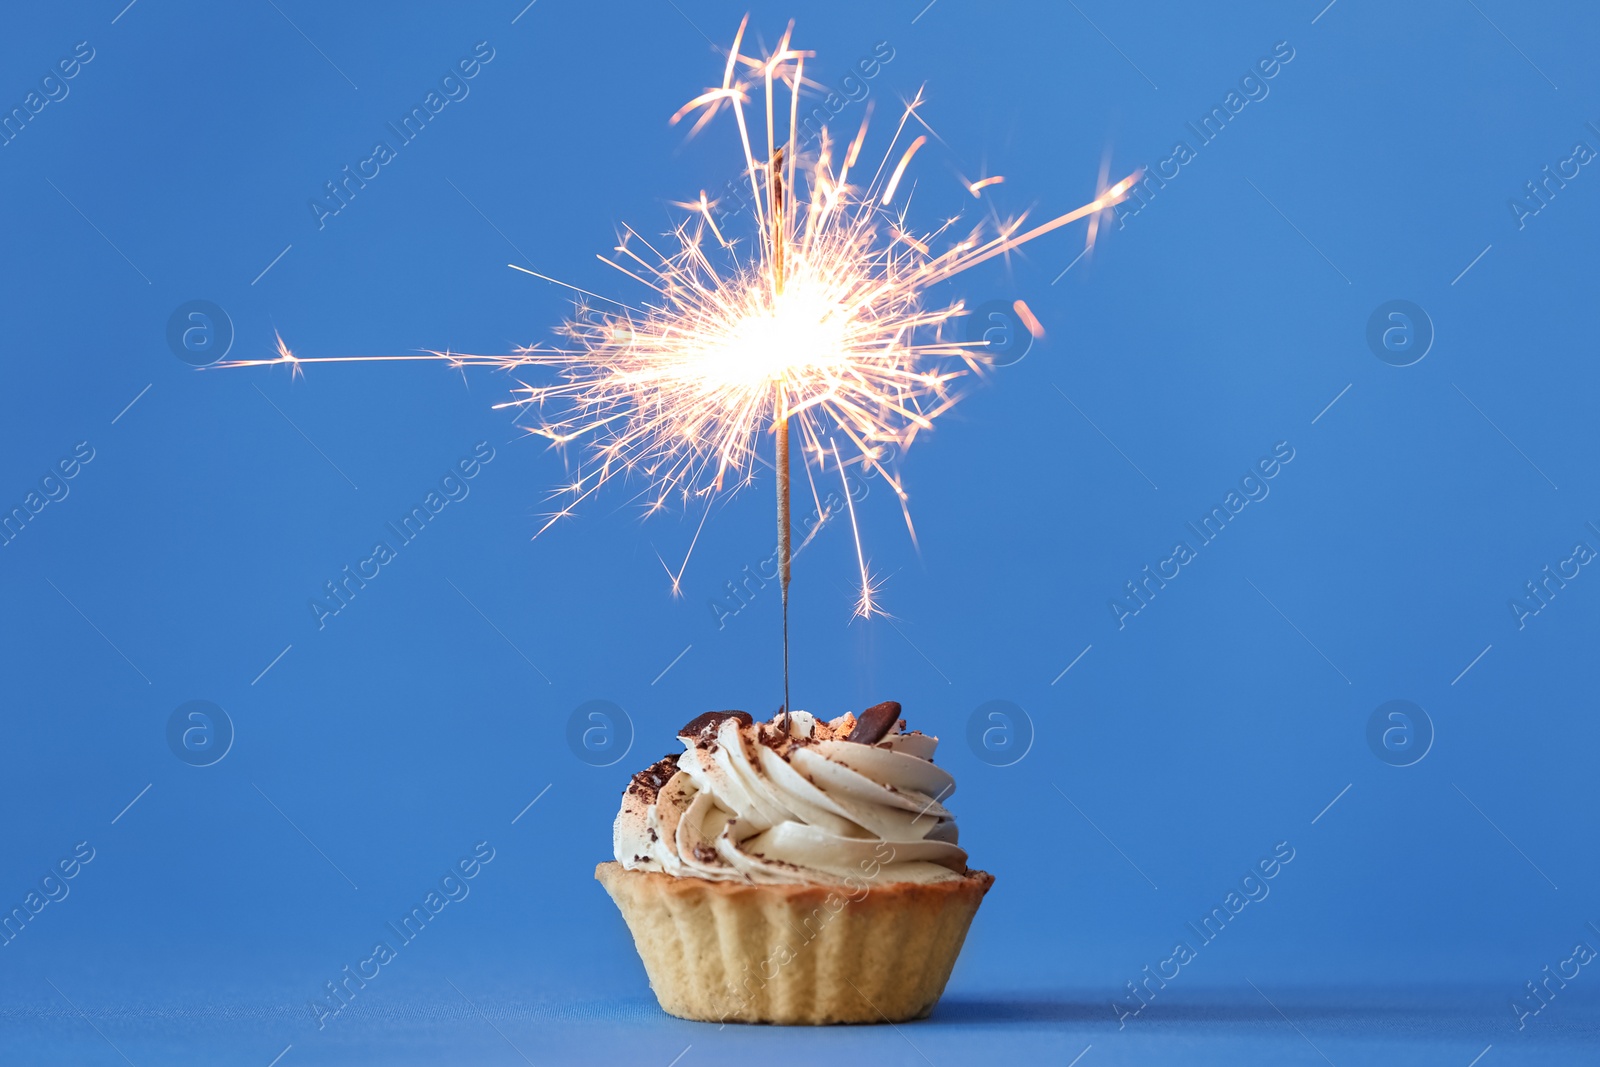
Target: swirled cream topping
855,799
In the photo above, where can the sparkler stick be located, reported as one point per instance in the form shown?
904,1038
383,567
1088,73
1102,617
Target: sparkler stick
828,326
781,453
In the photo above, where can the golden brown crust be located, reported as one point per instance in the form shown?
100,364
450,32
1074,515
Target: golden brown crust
737,952
978,881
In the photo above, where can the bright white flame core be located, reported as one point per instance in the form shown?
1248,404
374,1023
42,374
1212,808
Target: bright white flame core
685,389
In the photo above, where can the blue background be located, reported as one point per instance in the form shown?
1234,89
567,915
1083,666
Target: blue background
1220,319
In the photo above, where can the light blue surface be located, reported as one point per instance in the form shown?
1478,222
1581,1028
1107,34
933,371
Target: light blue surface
1171,749
503,1024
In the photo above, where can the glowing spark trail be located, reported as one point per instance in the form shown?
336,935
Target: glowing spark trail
823,330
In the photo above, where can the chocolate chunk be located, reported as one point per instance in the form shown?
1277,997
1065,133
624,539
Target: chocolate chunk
648,782
774,737
710,721
874,724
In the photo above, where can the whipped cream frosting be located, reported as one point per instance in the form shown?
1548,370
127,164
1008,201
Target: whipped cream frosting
793,801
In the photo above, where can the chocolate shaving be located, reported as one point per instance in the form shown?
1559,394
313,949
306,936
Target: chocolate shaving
707,724
774,737
874,724
648,782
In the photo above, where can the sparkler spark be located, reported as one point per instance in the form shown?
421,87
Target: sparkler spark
825,325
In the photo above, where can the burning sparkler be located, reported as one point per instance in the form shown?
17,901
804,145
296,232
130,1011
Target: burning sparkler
825,326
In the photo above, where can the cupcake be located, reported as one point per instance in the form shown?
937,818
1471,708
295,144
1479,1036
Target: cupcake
794,871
